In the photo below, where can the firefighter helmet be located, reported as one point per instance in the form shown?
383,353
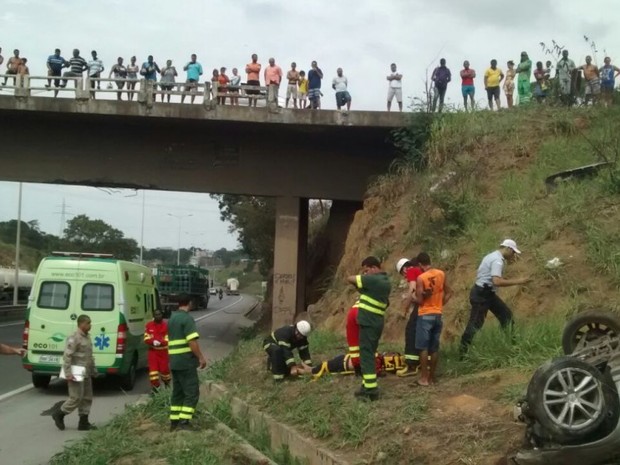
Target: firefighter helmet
303,327
402,262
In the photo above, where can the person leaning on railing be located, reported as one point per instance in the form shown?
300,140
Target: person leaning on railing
120,72
77,66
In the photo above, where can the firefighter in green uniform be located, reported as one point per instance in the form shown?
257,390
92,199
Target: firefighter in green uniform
374,287
185,357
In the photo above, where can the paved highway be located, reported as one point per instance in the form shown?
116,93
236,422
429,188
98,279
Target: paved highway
27,438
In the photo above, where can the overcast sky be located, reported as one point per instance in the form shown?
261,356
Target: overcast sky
362,37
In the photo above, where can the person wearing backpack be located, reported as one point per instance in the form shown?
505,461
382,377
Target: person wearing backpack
441,77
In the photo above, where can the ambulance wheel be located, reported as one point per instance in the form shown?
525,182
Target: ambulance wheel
41,381
128,380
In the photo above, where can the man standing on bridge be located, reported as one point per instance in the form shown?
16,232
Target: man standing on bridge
314,86
11,65
78,352
374,287
55,64
273,77
194,71
95,68
253,72
77,66
185,357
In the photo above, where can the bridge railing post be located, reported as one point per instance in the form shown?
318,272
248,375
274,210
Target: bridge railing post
82,93
22,86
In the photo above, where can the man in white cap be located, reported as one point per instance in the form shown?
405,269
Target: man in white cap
279,346
483,296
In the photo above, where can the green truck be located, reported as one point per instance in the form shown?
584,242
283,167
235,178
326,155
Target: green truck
173,280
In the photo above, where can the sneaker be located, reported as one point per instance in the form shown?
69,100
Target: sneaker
408,371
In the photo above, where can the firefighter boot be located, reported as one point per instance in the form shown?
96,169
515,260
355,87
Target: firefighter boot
186,425
367,394
84,425
174,424
59,419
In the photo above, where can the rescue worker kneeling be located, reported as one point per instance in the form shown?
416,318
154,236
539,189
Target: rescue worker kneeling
280,345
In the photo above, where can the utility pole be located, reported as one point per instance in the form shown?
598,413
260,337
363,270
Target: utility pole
142,229
179,217
17,244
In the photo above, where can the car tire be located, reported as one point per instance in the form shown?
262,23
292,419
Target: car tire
569,399
128,380
590,325
41,381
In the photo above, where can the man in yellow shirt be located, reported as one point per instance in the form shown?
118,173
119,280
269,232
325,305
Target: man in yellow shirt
492,79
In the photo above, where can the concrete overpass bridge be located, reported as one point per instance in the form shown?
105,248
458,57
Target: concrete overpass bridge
293,155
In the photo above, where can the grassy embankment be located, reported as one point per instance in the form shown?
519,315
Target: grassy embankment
480,179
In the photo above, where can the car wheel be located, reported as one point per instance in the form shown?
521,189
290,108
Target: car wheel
591,326
128,380
41,381
568,398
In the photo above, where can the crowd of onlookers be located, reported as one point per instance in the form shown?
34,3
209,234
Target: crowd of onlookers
599,82
304,90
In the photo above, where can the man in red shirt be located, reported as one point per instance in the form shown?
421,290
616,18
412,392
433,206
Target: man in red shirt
156,337
253,71
410,270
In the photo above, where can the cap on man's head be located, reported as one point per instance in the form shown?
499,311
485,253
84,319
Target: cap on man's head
511,245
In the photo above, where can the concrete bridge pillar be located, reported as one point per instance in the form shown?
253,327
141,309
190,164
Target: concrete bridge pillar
289,264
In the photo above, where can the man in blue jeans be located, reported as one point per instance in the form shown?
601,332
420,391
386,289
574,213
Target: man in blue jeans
432,293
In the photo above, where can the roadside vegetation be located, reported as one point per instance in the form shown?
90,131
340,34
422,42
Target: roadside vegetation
464,183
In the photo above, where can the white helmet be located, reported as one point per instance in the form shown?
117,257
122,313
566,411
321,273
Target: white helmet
303,327
402,262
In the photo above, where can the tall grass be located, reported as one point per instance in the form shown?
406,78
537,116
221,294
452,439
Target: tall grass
525,347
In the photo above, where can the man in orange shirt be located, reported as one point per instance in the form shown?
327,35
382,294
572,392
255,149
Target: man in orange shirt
273,77
253,71
432,293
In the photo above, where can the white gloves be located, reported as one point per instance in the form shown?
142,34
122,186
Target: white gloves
156,343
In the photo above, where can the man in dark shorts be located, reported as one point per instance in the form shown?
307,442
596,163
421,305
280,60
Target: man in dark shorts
314,86
194,71
55,64
12,65
77,66
253,72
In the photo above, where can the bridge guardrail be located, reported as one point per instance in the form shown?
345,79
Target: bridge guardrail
12,313
85,88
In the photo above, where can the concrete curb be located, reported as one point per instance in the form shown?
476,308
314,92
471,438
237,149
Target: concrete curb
281,435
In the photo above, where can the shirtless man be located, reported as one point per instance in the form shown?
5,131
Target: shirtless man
11,65
593,83
291,90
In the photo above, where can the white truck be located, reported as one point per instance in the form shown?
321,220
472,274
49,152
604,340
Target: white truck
232,286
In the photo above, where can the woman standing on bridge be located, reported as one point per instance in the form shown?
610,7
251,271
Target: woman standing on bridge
132,76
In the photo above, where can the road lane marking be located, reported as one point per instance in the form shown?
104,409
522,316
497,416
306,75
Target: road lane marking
219,310
12,324
14,392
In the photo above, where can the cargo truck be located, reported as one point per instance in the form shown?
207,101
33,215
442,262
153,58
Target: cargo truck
174,280
232,286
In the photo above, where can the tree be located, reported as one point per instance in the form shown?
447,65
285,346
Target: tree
253,219
85,235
